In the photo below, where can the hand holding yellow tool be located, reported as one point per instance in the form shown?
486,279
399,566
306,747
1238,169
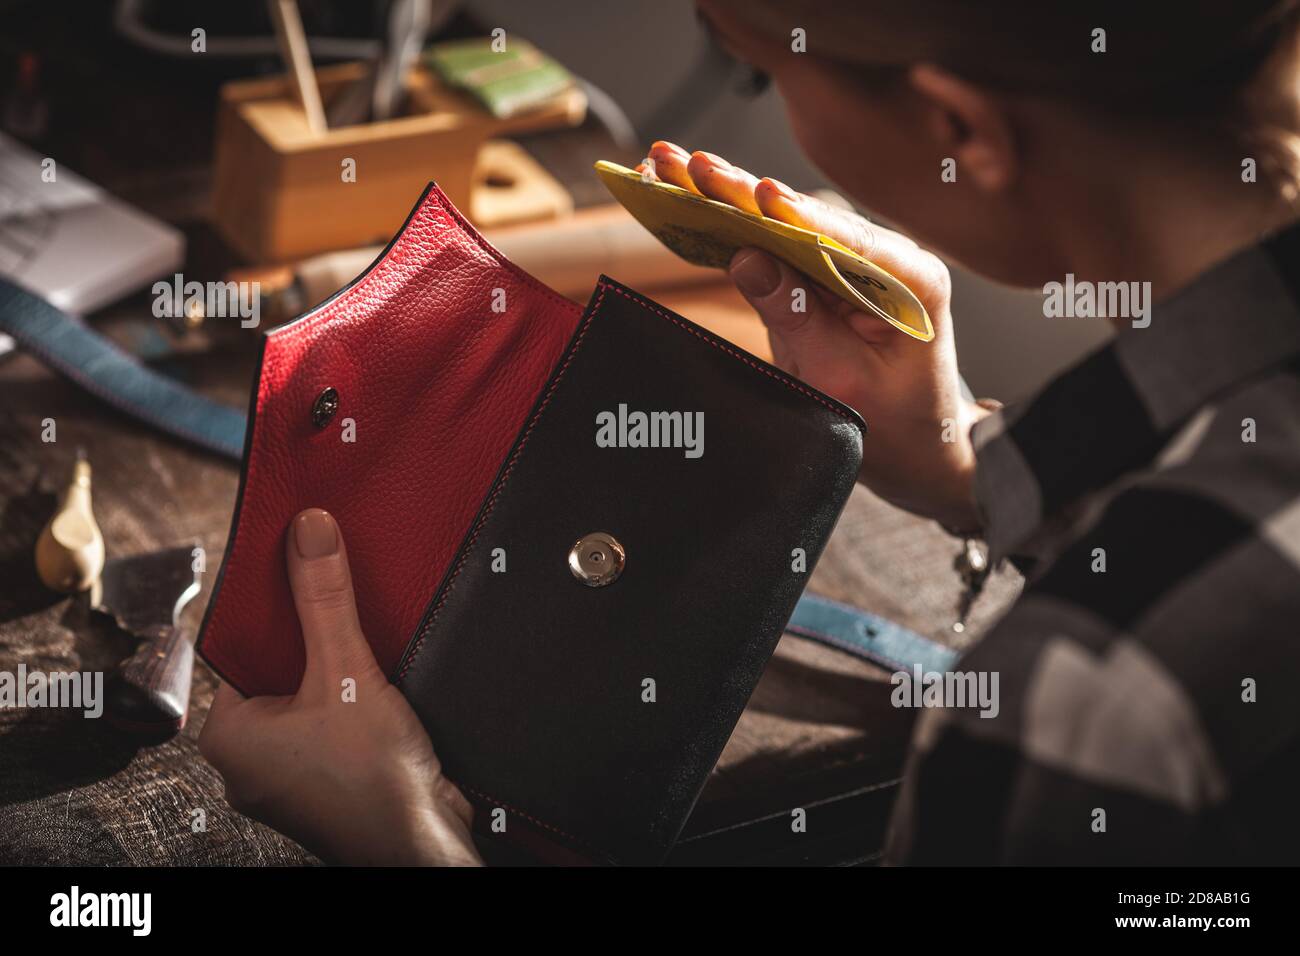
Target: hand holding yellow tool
706,232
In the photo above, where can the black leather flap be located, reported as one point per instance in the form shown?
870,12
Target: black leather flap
591,714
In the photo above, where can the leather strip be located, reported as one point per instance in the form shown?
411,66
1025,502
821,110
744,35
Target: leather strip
105,370
866,635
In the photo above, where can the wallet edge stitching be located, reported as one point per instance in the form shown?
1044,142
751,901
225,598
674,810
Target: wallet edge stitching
431,616
832,405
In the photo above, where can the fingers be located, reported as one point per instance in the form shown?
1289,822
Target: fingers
778,201
327,608
718,179
890,250
808,335
712,176
921,271
670,165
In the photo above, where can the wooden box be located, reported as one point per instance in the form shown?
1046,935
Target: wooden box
279,191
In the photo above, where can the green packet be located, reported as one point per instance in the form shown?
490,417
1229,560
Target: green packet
511,81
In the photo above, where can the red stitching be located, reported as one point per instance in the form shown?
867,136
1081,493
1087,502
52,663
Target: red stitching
488,798
500,486
469,547
736,353
514,459
311,322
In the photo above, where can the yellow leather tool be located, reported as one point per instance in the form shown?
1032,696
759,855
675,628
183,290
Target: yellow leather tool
70,550
706,232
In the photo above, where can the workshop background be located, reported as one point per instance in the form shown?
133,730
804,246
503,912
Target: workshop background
114,93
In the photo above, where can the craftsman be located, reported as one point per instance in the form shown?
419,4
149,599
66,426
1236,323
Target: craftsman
1146,674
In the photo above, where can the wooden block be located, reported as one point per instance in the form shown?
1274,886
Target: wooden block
278,191
509,186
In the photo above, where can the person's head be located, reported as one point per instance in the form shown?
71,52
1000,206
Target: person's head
1047,110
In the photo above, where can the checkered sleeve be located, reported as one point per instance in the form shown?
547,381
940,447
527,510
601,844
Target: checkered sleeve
1090,759
1145,705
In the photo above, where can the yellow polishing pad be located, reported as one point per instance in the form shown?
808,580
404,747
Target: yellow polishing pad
706,232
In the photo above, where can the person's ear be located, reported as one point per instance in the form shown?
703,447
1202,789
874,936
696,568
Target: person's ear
970,125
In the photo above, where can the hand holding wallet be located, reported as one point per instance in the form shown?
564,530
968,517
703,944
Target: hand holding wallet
575,536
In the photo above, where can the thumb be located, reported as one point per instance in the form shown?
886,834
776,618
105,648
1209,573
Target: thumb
327,608
806,331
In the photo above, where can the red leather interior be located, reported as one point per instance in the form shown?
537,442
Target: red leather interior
438,385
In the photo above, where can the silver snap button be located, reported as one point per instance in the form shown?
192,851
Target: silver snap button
327,403
597,559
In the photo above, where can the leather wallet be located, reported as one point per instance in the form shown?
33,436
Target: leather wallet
575,535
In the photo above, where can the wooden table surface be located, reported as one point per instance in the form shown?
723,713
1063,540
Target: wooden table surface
72,791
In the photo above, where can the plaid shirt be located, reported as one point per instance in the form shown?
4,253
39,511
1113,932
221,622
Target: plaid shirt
1149,712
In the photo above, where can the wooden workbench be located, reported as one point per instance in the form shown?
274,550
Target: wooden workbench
71,791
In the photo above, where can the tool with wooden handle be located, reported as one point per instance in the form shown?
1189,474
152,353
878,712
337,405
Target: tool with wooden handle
70,550
149,694
297,56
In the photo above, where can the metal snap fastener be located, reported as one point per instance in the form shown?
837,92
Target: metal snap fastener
597,559
327,403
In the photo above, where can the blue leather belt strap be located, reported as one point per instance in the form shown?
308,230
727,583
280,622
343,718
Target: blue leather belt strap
105,370
865,635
